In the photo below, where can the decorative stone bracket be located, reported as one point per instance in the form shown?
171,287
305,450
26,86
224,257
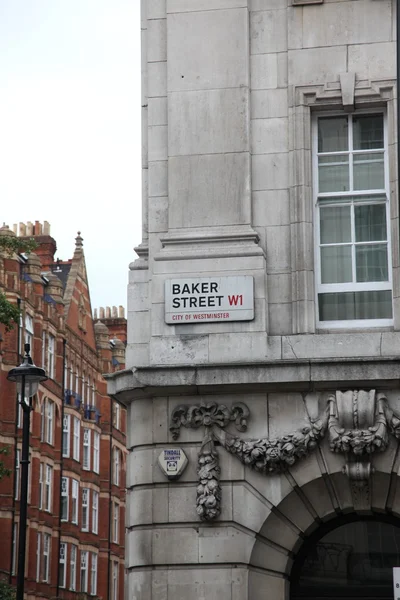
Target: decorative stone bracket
358,423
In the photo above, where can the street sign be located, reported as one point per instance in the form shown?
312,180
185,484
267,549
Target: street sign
396,583
209,299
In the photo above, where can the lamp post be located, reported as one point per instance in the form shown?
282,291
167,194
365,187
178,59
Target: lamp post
27,377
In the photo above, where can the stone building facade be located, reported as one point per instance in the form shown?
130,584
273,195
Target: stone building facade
76,495
269,153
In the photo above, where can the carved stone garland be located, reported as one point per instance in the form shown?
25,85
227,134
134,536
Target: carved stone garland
357,421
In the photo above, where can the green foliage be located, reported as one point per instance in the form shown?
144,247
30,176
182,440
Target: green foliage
9,313
7,592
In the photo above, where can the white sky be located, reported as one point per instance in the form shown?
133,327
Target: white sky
70,129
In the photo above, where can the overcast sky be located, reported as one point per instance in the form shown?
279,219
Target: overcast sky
70,129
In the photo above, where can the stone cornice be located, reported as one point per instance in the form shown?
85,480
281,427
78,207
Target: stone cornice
296,375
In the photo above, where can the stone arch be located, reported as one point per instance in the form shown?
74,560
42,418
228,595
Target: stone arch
303,511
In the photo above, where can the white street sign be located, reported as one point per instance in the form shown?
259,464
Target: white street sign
208,299
172,462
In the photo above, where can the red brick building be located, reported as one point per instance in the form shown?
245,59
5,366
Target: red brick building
76,511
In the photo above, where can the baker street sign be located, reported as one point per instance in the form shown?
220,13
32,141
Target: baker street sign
208,299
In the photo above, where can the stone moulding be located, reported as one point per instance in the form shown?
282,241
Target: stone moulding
358,423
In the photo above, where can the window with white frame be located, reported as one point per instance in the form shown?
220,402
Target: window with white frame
116,465
64,498
83,388
38,555
114,582
96,451
49,421
43,421
19,411
117,415
29,331
48,484
354,280
115,527
44,350
85,508
66,375
75,502
72,567
95,512
93,574
51,356
86,448
17,473
40,486
66,437
84,570
77,380
94,393
63,565
77,439
46,557
14,549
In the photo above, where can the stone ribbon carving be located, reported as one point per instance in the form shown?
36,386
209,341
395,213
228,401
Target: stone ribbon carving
358,422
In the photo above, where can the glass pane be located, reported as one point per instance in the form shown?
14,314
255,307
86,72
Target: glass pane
336,264
369,171
368,132
371,262
335,224
333,173
332,134
370,223
345,306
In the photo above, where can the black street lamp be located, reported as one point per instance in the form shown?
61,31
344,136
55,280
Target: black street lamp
27,377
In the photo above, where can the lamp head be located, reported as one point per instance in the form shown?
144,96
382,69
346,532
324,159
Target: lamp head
27,375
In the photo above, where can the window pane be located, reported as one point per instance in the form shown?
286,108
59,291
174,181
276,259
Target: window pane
368,132
336,264
333,173
370,221
332,134
369,171
344,306
335,224
371,262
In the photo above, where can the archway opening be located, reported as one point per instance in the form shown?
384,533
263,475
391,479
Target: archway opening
350,557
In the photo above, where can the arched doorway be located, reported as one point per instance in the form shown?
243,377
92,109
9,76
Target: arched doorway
349,557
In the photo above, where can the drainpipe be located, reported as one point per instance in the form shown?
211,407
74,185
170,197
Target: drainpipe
61,461
15,447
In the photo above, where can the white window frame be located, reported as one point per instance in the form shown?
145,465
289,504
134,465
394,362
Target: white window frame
93,573
63,564
46,557
65,494
66,436
44,350
49,421
19,411
95,512
29,331
38,554
116,465
96,451
84,571
86,448
48,488
75,502
77,439
115,523
51,355
85,508
117,415
321,288
41,486
14,549
83,395
72,567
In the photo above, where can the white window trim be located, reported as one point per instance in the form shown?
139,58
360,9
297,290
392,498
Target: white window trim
86,449
85,504
75,497
14,549
17,473
40,486
93,573
116,465
49,421
84,562
343,287
51,355
115,523
95,512
48,487
72,567
96,451
46,564
63,561
76,439
66,431
65,495
38,555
